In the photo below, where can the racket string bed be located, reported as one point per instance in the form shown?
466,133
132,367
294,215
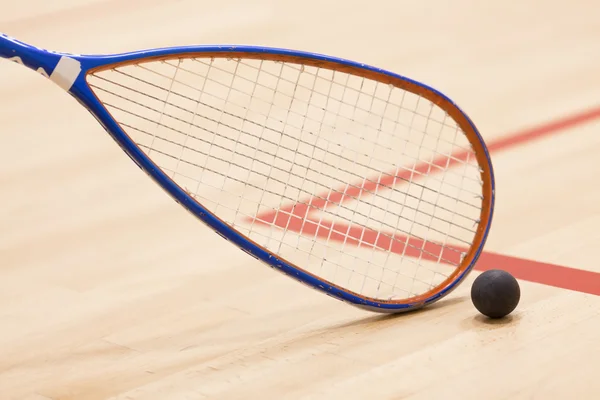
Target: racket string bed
347,178
321,122
328,165
149,148
236,143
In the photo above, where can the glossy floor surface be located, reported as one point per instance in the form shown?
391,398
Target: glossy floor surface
110,290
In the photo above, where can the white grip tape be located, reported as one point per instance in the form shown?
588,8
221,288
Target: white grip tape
66,72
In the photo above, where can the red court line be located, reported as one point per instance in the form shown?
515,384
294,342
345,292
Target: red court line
362,237
540,131
527,270
297,217
578,280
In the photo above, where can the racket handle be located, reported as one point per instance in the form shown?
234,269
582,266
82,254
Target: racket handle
60,68
29,56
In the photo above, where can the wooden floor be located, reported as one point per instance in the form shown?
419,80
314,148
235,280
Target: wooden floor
109,290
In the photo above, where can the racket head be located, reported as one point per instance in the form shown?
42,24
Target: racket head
92,66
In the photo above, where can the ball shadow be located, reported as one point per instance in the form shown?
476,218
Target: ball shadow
481,321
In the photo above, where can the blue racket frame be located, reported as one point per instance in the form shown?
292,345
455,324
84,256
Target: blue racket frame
45,62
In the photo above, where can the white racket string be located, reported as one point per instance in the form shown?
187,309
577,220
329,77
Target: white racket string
283,197
345,87
183,146
363,184
267,141
396,122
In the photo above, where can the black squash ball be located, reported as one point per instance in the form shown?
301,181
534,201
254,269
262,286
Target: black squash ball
495,293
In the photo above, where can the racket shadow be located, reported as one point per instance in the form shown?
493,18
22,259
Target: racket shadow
382,318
